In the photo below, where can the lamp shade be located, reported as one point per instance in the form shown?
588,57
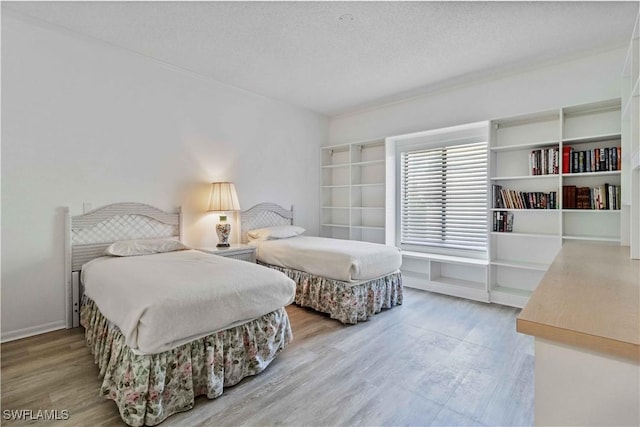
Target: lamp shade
223,197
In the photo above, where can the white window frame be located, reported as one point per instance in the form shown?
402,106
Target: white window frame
445,137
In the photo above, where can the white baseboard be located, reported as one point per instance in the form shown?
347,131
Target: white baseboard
31,331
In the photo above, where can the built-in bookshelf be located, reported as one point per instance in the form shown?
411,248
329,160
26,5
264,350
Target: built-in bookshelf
353,191
587,128
534,161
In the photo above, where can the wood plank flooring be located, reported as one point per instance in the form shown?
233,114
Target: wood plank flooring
434,361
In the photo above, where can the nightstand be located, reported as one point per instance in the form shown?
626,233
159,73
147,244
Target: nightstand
236,251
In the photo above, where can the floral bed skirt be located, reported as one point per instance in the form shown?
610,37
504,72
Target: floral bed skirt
344,301
149,388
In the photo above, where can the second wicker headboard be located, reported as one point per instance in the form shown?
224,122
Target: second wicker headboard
263,215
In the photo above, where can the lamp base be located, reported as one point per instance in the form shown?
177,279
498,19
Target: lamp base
223,230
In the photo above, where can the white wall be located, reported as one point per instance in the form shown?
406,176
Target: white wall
578,81
83,121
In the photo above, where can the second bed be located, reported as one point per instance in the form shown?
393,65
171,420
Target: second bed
349,280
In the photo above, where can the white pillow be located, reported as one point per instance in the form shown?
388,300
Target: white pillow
144,247
277,232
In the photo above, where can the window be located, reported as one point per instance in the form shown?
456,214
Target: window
443,196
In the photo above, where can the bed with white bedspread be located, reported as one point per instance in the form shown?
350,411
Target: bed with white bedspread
349,280
167,324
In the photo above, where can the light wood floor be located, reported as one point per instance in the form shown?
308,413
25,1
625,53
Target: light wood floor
435,360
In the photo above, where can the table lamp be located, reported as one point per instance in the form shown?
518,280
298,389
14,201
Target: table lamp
223,198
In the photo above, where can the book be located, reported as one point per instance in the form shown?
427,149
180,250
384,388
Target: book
497,196
600,197
619,150
503,221
583,198
544,161
569,197
500,221
581,161
566,159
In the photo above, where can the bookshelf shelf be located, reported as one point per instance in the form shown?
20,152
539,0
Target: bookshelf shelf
458,282
525,210
593,211
528,146
336,225
587,174
337,165
375,184
524,177
524,265
613,239
370,162
592,139
510,291
538,141
528,235
444,258
368,227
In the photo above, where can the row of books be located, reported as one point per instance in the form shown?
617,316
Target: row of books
544,161
503,221
504,198
595,160
605,196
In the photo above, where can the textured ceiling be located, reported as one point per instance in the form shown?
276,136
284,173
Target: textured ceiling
310,55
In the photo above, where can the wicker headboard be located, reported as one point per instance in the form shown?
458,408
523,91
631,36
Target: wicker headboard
89,234
263,215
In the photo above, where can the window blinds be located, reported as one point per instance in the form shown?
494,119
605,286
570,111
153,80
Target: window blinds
444,197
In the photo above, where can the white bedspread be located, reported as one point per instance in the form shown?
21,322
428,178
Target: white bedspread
164,300
345,260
